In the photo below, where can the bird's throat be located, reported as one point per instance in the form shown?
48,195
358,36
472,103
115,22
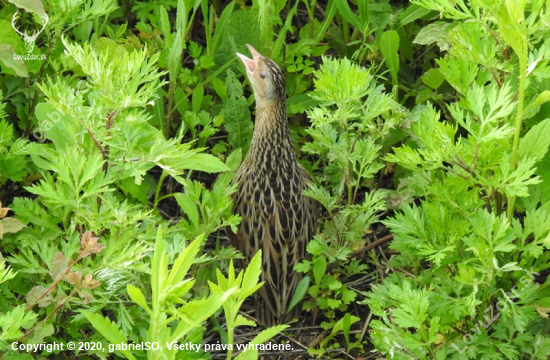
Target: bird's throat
271,137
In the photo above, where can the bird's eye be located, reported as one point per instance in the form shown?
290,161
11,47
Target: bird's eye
262,75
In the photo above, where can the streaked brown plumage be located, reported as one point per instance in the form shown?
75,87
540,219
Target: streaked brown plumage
276,217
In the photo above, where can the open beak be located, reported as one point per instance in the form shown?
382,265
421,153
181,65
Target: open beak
250,64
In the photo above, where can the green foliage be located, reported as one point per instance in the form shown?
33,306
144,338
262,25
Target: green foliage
172,318
236,115
245,284
428,121
471,264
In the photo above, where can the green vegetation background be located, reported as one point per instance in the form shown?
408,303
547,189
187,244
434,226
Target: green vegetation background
425,126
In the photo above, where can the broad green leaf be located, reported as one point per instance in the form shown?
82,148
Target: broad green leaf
221,24
389,44
109,330
319,268
204,162
512,27
251,276
219,88
34,6
237,115
267,334
536,142
137,296
158,269
433,78
197,311
188,207
7,57
174,57
412,13
347,14
198,95
184,262
10,225
139,192
299,293
541,99
435,32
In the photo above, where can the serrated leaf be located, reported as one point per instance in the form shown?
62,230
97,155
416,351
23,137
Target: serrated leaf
536,142
188,207
435,32
137,296
109,330
236,114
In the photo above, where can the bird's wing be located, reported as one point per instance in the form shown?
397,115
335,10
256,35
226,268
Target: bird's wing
278,219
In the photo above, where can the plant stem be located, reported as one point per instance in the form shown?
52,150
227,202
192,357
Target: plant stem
514,160
159,185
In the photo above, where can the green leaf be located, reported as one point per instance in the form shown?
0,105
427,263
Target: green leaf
389,44
433,78
174,56
299,293
512,26
137,296
7,57
237,116
347,14
267,334
221,24
541,99
435,32
319,268
188,207
536,142
204,162
109,330
34,6
251,276
139,192
10,225
158,269
184,262
412,13
219,88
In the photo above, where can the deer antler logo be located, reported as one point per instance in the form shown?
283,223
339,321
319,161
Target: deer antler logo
29,40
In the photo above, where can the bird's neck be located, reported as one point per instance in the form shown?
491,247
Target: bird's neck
271,138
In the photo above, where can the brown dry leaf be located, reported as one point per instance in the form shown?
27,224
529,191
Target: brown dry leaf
60,298
3,211
90,283
35,293
59,265
542,311
440,339
11,225
85,295
74,278
89,245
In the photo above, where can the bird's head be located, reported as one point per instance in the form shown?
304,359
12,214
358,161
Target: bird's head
265,76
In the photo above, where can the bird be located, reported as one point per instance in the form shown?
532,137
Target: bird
276,217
